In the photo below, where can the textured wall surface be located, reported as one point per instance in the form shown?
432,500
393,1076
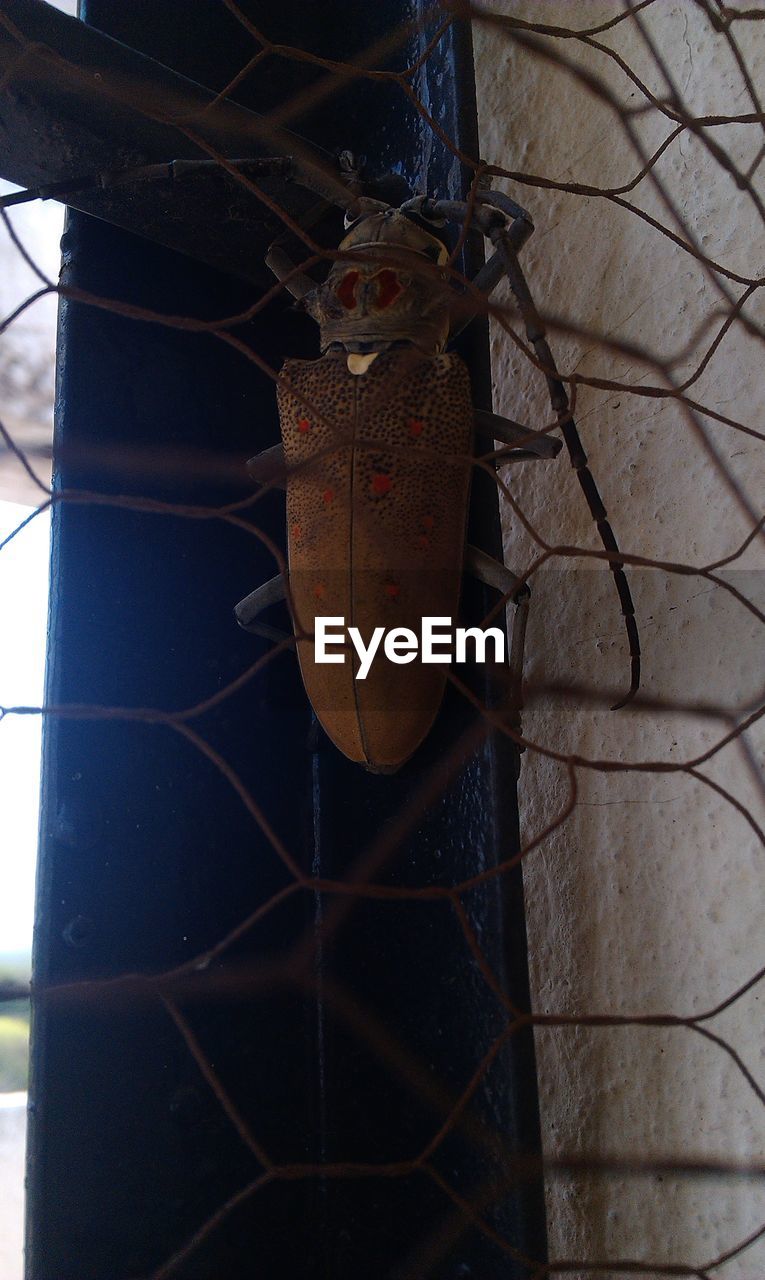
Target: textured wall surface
649,898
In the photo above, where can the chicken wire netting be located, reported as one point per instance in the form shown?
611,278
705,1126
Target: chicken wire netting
637,135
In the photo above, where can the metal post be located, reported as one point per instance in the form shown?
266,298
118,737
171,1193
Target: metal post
149,857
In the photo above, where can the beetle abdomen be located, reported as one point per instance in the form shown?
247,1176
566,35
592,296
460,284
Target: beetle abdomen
379,471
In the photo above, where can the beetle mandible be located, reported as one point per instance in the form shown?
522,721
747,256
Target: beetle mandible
376,453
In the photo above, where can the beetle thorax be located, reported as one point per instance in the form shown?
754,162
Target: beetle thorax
389,287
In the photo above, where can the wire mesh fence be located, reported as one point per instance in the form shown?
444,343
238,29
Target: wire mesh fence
637,135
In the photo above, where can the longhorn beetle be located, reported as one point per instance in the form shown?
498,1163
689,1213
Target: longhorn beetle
377,438
377,448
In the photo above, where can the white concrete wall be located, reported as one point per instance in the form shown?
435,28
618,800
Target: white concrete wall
650,898
12,1129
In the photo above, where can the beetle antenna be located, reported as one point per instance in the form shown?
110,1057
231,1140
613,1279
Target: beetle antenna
537,336
50,191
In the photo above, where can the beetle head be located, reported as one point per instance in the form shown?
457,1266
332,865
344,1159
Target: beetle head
388,287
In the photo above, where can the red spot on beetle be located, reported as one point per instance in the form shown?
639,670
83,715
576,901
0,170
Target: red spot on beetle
423,541
388,287
392,590
328,496
346,290
428,522
296,530
303,425
381,483
416,426
320,590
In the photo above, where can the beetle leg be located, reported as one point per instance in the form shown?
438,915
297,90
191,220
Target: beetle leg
249,610
488,211
269,467
491,212
486,281
296,282
489,275
523,442
493,573
497,575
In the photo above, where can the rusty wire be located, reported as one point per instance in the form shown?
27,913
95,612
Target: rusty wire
557,47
